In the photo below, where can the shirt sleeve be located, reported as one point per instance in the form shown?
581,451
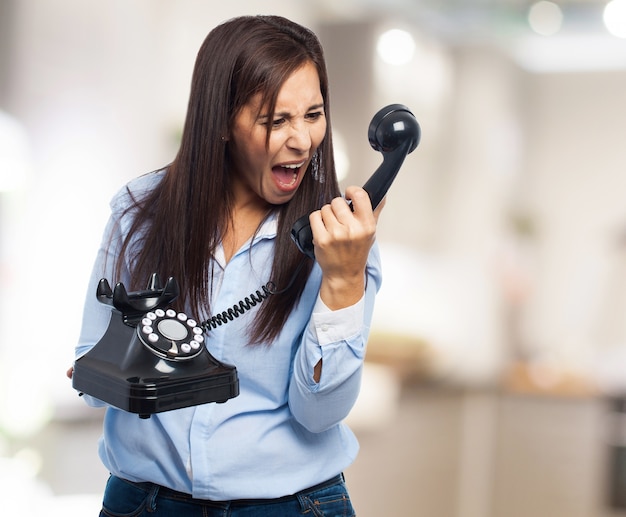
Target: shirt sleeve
339,339
96,316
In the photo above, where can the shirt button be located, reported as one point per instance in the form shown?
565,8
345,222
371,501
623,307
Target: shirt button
324,327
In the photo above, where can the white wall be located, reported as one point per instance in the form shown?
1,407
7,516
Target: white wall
574,188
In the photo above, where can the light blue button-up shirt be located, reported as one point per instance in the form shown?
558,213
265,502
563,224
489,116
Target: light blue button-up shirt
284,432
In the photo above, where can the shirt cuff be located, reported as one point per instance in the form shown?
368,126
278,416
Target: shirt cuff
333,326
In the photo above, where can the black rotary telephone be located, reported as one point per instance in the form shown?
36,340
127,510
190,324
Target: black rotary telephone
153,359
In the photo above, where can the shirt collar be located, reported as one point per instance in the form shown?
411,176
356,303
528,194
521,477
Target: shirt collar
268,229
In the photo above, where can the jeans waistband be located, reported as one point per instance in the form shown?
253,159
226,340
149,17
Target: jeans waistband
182,496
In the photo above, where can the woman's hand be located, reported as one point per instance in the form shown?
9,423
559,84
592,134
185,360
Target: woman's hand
342,238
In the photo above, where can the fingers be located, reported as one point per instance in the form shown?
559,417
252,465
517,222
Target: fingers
343,235
357,202
334,220
361,203
339,221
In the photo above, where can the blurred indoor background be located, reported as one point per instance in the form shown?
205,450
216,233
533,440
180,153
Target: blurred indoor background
496,365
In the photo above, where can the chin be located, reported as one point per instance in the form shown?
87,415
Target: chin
281,199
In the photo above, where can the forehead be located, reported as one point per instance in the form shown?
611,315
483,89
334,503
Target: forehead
301,85
300,89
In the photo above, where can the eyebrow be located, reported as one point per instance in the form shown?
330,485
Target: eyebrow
286,114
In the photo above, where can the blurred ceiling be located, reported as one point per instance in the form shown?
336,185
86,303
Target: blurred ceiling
460,20
581,41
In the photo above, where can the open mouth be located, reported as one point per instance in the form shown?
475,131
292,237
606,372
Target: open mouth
287,175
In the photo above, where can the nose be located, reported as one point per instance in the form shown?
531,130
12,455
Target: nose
299,138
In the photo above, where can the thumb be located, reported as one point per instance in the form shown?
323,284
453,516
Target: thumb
379,208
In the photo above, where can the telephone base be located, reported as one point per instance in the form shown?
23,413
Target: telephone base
122,372
145,396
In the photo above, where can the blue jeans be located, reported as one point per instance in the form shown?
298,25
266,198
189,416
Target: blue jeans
125,499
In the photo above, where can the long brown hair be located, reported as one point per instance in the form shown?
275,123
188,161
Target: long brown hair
181,221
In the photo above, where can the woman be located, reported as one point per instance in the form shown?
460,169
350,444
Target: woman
256,154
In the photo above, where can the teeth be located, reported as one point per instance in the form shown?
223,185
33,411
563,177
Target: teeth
292,182
294,166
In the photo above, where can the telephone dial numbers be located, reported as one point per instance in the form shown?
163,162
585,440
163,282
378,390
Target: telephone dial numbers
170,334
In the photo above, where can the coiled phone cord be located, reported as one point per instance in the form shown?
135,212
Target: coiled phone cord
253,299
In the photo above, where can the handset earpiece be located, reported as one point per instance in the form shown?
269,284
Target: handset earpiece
394,132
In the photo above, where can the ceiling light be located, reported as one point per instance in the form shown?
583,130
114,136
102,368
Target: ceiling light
615,18
396,47
545,18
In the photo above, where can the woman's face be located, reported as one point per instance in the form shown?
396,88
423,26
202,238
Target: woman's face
273,174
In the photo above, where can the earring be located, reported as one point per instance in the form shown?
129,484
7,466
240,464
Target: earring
316,161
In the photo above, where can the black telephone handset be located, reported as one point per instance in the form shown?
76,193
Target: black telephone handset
151,358
394,132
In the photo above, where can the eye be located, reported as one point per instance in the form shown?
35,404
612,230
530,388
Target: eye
314,115
277,122
273,124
